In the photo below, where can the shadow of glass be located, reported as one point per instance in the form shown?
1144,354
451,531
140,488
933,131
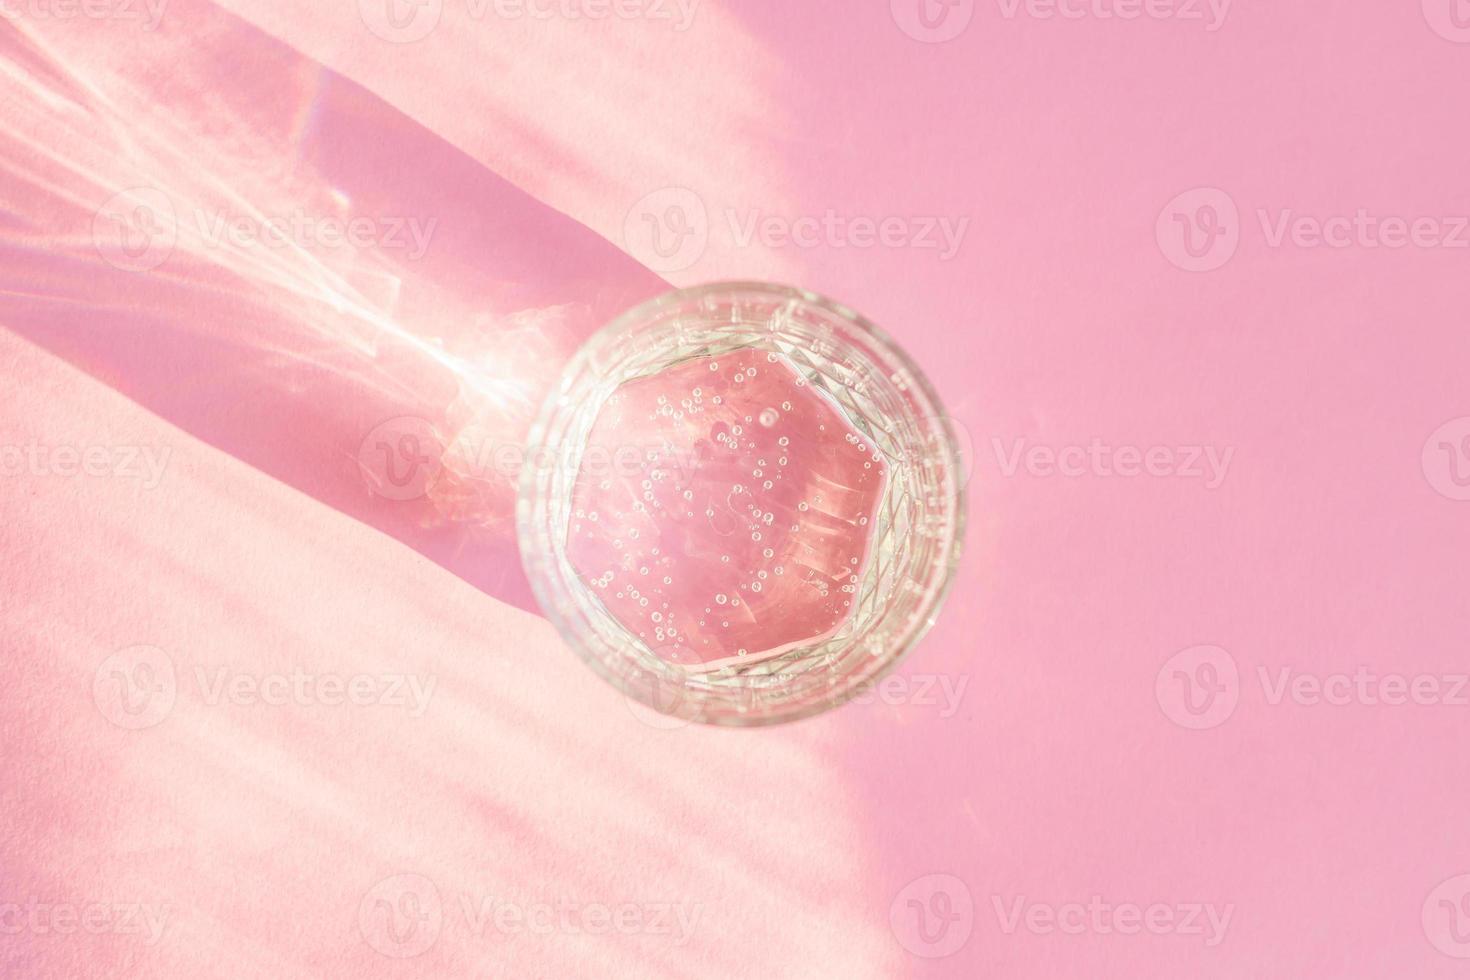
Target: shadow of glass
280,264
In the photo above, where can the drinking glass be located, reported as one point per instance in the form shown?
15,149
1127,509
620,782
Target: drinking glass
868,431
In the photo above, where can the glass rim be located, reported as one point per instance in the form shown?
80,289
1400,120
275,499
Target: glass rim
536,548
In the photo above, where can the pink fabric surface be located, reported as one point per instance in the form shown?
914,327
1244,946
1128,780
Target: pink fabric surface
260,835
1190,277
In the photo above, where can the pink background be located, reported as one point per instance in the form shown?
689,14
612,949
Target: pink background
1072,765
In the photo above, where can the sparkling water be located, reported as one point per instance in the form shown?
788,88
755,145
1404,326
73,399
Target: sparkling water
725,509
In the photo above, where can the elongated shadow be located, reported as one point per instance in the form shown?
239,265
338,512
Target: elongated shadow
292,264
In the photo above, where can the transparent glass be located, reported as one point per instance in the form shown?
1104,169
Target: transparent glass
884,416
